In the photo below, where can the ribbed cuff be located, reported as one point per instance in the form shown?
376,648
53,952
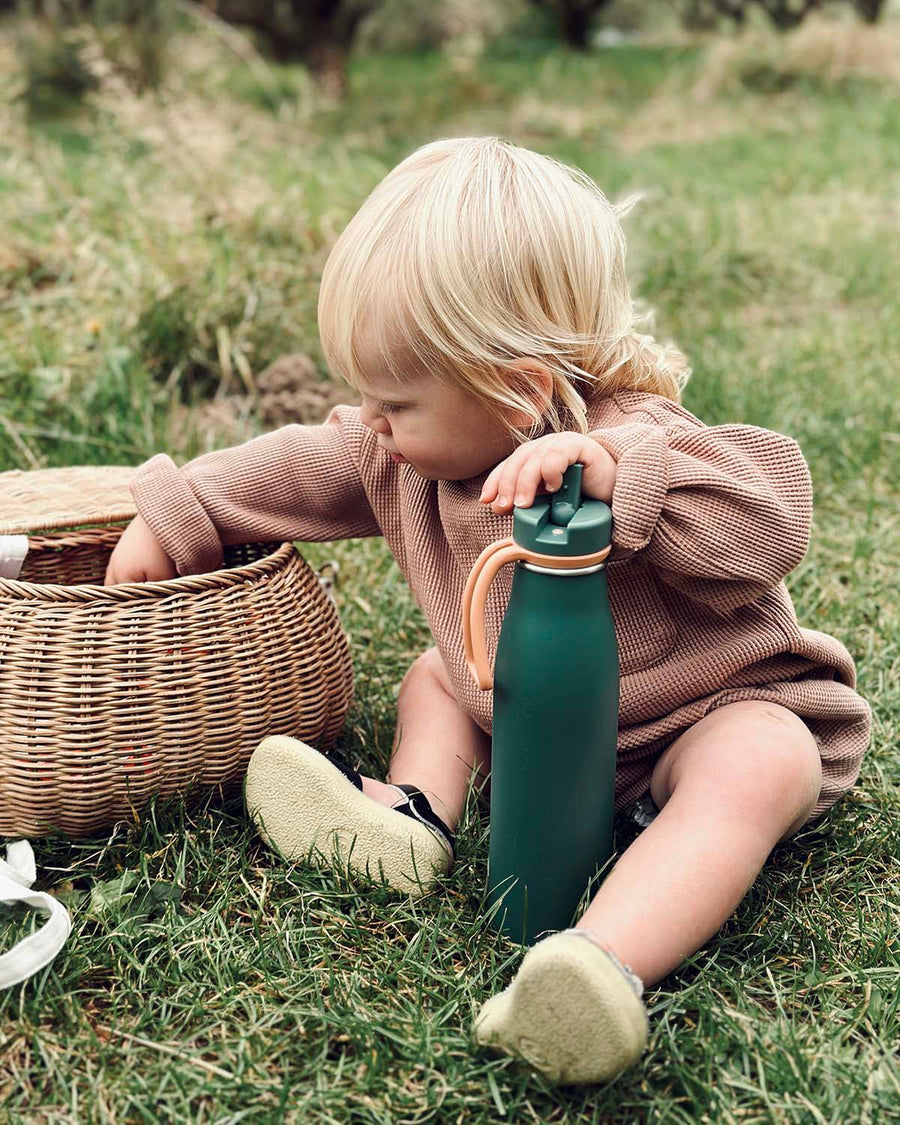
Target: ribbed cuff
642,481
176,517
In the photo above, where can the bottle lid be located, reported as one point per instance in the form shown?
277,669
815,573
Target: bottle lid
561,523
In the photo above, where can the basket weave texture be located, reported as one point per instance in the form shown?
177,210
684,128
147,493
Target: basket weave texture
45,499
111,694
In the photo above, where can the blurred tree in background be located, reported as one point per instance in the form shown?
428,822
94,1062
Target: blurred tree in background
869,10
67,46
783,14
575,19
318,33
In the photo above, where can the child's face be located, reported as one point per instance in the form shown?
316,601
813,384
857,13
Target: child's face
444,432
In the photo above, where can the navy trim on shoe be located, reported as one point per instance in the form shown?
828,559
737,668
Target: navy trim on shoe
416,805
419,808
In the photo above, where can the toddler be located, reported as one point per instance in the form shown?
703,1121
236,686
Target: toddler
478,302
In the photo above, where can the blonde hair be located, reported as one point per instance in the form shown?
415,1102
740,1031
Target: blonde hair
473,255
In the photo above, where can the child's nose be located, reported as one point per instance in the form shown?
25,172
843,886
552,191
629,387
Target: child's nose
375,421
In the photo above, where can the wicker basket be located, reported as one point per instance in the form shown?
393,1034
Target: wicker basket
110,694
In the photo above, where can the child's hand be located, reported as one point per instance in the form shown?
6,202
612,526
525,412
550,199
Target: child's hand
138,557
516,480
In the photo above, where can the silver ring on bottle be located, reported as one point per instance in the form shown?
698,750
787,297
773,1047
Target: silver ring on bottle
559,570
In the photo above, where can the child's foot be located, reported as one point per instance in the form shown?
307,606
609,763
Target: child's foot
303,802
572,1011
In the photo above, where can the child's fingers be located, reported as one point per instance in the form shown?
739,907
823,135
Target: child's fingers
517,479
546,468
531,476
500,485
489,488
508,479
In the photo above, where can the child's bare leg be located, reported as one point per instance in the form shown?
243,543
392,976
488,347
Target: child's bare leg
436,745
741,779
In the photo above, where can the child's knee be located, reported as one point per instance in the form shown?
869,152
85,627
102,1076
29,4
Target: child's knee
430,665
760,759
775,769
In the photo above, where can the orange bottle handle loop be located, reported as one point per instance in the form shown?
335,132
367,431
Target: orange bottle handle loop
478,583
474,598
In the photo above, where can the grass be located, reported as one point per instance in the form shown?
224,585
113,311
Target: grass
151,247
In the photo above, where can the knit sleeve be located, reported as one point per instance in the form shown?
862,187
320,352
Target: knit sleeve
722,513
297,482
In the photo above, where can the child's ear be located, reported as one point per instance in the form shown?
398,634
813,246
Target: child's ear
535,383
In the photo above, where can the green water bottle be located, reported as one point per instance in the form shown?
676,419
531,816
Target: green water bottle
556,708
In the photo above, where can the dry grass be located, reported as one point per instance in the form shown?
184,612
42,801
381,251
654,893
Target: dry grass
676,115
827,51
720,98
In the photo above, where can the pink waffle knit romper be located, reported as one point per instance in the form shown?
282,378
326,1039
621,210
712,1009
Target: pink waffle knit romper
707,521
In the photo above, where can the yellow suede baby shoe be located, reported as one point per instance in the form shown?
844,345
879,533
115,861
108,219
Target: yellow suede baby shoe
306,805
572,1011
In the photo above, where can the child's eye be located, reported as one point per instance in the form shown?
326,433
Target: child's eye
387,408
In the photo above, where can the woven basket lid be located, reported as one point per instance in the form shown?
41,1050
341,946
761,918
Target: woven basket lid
47,499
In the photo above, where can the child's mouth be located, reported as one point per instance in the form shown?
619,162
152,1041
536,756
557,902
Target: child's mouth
397,458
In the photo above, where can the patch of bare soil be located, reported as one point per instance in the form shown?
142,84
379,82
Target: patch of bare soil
291,390
288,390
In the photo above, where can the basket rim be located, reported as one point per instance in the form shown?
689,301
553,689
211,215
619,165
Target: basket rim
150,591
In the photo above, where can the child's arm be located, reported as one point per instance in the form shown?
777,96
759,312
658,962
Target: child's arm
722,513
298,482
